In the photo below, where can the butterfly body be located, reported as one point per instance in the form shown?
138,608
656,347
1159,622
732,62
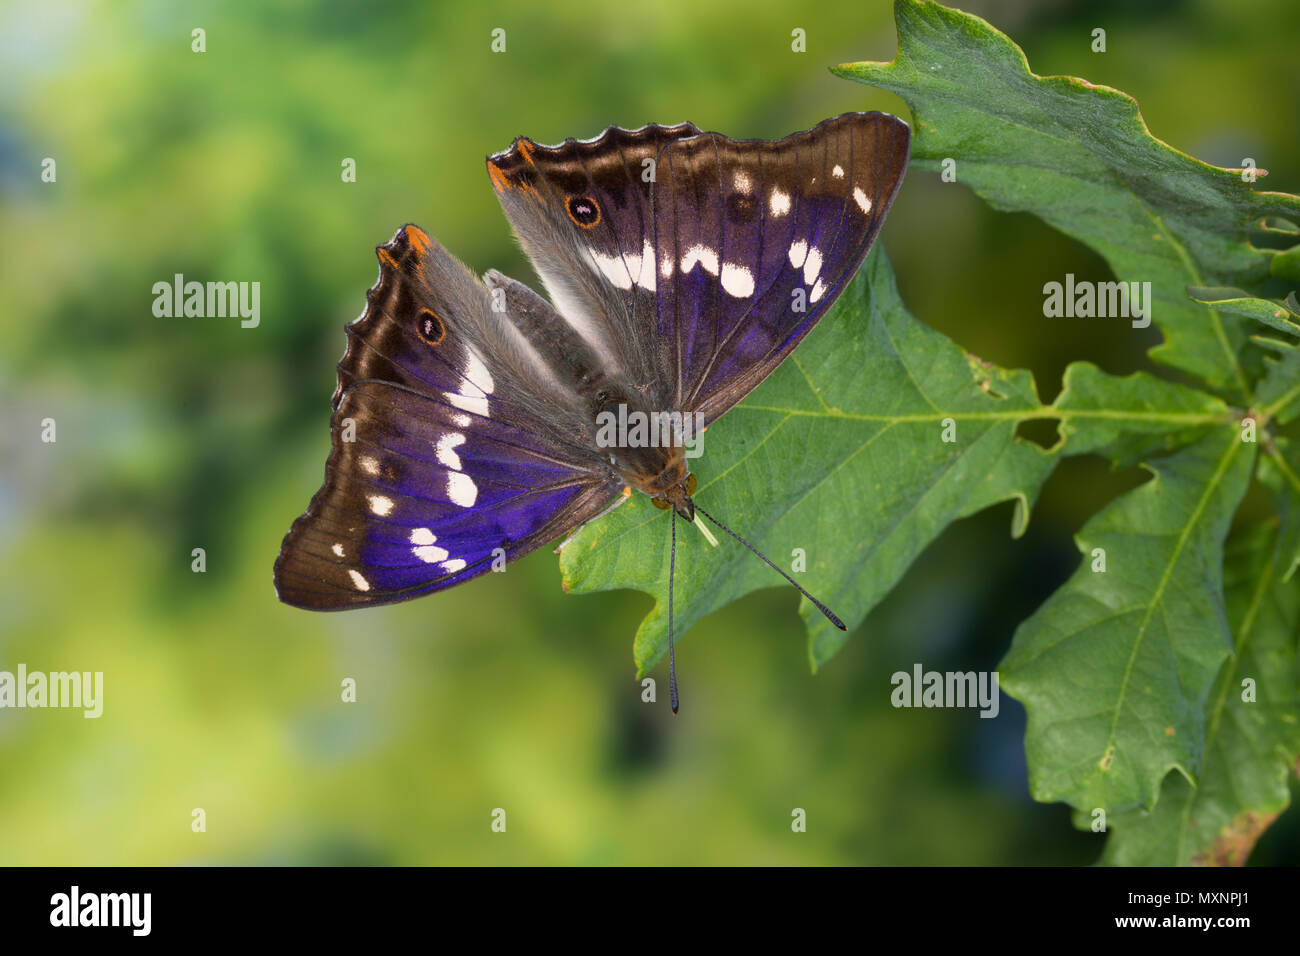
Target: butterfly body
680,268
596,387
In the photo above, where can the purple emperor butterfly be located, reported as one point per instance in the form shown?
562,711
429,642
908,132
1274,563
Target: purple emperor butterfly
681,268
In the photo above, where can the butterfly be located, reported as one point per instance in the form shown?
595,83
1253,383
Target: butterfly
681,268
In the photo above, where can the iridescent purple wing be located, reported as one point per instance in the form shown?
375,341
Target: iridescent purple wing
694,262
755,241
451,451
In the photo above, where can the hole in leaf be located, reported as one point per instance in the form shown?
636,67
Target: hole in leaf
1040,431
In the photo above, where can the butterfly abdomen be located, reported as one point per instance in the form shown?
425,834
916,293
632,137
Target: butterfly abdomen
559,346
602,395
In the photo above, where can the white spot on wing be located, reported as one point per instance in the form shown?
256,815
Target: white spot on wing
818,290
425,549
361,583
666,267
614,269
704,256
446,449
779,203
737,281
478,373
461,489
861,199
462,421
476,386
454,565
478,404
337,549
381,505
369,464
645,277
430,553
838,171
625,271
812,266
798,252
742,182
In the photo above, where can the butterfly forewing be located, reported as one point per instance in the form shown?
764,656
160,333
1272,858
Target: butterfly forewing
698,262
419,502
757,239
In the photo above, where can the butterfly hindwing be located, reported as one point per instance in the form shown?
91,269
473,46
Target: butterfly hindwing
583,215
440,463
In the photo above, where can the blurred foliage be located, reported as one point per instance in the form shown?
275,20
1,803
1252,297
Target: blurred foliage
183,433
1115,669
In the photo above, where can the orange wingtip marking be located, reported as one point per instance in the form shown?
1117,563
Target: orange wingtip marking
499,181
526,148
385,258
419,239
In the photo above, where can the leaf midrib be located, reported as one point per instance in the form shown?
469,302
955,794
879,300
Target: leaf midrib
1026,414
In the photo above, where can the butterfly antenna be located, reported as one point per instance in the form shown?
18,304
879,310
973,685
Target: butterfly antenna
830,615
672,659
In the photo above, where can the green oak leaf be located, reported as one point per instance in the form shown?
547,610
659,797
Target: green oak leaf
1126,419
1250,745
1279,470
1281,227
1080,157
1286,265
1115,668
1278,395
840,454
1276,315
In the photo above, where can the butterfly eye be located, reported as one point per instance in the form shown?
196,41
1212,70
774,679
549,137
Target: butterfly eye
430,328
583,210
660,503
691,484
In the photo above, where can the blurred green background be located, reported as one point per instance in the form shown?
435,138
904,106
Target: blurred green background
183,433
